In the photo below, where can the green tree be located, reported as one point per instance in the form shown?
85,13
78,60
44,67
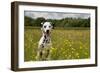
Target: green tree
38,21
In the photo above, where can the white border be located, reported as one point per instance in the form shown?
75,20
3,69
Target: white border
34,64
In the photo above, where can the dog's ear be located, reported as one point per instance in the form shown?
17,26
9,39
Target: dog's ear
41,28
42,23
52,25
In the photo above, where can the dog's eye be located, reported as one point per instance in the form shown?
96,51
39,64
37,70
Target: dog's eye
44,26
49,26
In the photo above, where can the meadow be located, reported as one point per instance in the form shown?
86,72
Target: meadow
67,43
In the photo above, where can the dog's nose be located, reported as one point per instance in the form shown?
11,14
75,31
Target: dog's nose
47,31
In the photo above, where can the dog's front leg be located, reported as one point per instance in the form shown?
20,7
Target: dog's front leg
40,52
47,54
39,55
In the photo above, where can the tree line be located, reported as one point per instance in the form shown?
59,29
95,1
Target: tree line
64,22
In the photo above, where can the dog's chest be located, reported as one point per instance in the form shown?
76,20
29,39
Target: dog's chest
46,40
46,43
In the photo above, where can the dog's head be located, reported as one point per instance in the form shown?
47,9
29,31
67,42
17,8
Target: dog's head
46,27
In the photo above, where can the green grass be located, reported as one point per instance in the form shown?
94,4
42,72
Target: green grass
66,44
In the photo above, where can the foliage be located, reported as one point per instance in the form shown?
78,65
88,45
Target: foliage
65,22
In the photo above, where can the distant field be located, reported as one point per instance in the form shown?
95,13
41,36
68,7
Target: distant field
67,44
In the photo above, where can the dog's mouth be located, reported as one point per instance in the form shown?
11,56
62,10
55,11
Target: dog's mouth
47,32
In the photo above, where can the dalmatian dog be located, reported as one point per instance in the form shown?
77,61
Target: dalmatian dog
44,44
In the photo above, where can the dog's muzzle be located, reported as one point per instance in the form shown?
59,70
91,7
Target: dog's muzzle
47,32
